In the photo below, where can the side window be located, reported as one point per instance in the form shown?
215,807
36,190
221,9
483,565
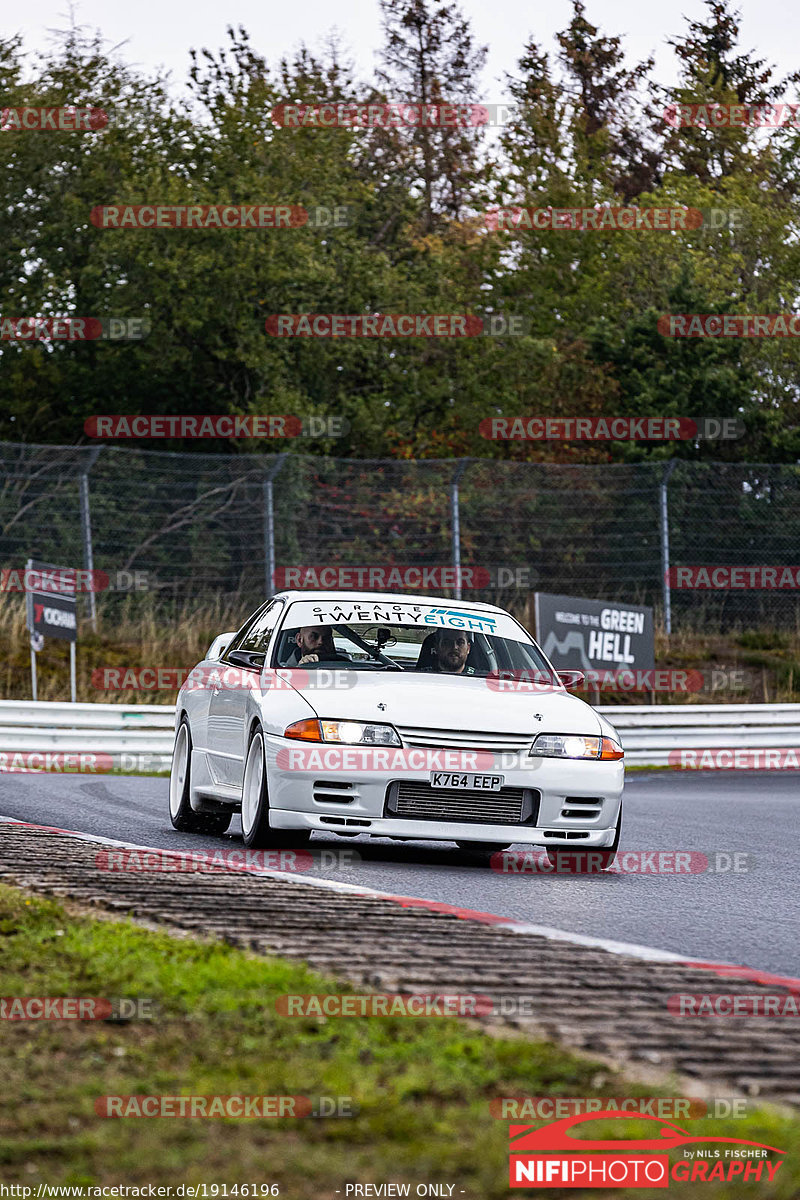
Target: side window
236,641
257,637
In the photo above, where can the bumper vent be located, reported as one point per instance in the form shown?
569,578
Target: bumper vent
564,835
584,808
346,821
332,791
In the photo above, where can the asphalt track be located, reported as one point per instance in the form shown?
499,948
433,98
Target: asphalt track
749,916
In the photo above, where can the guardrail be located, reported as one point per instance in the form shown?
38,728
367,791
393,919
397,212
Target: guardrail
648,732
136,736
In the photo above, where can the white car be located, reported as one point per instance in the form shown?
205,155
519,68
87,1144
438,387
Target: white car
392,716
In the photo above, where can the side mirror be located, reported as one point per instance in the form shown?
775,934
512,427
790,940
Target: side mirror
250,660
571,679
220,645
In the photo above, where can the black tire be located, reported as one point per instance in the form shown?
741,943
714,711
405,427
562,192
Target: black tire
181,813
595,860
257,833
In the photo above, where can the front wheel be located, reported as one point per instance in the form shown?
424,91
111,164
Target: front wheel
256,829
582,862
181,813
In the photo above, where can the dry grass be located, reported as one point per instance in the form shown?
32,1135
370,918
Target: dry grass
132,632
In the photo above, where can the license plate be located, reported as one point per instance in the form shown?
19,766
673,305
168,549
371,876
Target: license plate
467,783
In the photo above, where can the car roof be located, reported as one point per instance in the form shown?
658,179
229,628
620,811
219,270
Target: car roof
386,598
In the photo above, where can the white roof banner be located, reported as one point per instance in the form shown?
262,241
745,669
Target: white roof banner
375,612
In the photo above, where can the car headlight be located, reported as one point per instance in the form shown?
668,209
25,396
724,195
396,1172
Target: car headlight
348,733
571,745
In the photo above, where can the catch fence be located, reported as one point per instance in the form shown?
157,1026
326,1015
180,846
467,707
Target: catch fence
194,525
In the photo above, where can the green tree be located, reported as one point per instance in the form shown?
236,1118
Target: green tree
429,57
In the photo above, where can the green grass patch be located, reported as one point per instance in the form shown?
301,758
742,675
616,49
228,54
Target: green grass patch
763,639
643,767
421,1087
144,774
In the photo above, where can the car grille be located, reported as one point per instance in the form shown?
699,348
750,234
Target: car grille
419,801
465,739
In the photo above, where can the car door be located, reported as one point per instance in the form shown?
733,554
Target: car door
230,688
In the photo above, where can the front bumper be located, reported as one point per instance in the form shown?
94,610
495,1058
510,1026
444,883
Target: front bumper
353,802
444,831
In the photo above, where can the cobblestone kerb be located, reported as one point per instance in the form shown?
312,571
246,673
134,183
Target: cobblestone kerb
586,998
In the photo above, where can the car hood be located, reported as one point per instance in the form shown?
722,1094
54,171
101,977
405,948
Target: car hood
432,701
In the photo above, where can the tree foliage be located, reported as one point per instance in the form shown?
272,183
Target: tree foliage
588,129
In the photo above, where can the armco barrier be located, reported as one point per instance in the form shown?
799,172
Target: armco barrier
121,730
648,732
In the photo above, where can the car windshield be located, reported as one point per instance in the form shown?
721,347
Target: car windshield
403,637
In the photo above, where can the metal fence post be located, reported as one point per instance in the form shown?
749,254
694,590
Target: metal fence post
455,521
269,525
86,531
665,545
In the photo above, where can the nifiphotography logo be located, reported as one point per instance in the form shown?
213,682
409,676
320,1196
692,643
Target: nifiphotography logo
550,1157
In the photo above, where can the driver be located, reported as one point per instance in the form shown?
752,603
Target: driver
312,643
451,649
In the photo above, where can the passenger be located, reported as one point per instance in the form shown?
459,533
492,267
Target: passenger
451,649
